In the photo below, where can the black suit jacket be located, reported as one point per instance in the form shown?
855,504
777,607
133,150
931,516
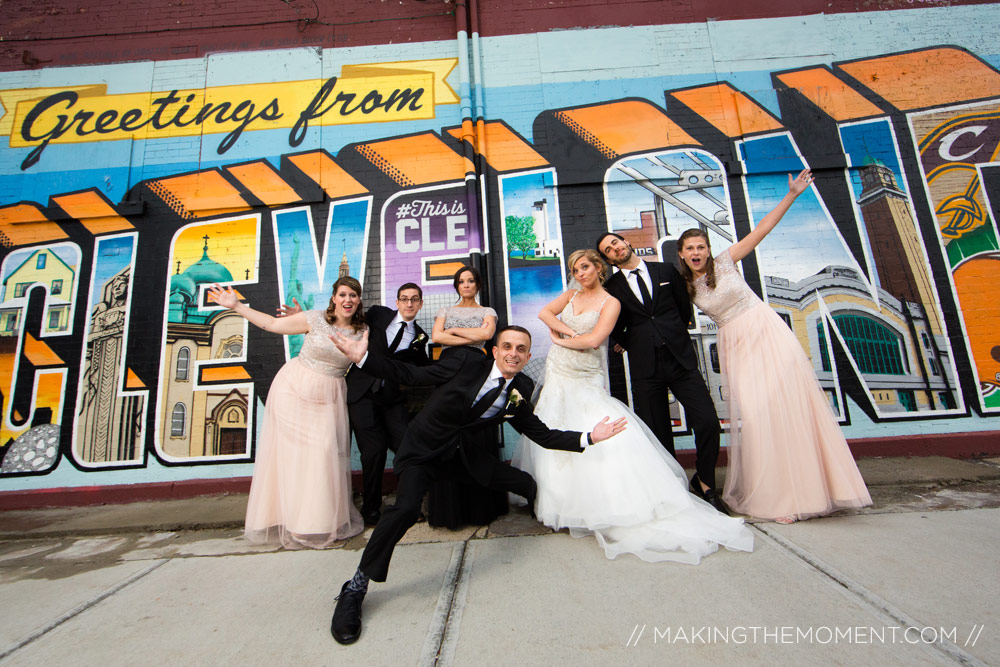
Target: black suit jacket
359,383
640,330
447,426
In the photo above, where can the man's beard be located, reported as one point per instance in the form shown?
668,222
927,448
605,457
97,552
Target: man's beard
619,262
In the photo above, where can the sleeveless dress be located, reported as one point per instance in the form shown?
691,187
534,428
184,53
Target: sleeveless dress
787,454
451,503
300,495
460,317
626,491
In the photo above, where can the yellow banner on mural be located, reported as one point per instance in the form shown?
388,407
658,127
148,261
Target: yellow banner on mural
369,93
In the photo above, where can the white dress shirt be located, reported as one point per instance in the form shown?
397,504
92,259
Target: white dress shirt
633,280
408,334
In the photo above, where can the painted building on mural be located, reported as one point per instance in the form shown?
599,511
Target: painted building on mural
42,267
416,141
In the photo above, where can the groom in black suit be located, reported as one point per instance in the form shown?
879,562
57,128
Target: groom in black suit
453,436
653,328
377,407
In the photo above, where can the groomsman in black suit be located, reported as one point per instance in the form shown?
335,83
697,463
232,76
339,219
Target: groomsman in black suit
653,328
453,436
377,407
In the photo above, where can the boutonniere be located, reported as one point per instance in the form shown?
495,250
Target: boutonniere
420,339
514,398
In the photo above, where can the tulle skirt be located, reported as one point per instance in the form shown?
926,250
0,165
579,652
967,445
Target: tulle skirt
787,454
301,490
627,491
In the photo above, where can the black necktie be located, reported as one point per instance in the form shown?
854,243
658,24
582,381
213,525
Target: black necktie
484,403
399,336
643,291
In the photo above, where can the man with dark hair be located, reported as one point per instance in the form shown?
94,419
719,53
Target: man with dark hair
653,328
453,436
377,407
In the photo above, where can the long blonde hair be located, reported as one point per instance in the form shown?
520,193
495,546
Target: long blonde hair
593,256
709,261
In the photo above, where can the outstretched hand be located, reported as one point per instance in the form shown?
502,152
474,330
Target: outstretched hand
225,297
352,349
799,184
605,429
284,310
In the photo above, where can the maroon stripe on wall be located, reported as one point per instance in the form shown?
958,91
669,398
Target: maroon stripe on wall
952,445
105,31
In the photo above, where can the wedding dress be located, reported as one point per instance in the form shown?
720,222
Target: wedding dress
627,491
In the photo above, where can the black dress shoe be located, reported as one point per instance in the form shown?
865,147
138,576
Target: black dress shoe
371,518
713,499
346,624
695,487
710,496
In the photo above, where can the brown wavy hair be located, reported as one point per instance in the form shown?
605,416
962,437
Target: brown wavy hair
358,319
594,257
709,261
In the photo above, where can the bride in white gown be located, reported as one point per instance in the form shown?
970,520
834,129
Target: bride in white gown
628,492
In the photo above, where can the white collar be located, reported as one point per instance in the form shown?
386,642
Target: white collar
495,374
399,318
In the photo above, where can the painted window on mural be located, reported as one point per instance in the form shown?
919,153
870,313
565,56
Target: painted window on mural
40,262
874,346
177,420
21,288
232,350
57,286
183,362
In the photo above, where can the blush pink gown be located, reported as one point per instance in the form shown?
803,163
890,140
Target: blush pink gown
787,454
300,495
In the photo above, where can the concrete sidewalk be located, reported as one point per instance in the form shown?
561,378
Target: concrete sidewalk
912,580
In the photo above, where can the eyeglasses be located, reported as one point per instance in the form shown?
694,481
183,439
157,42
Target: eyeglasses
415,299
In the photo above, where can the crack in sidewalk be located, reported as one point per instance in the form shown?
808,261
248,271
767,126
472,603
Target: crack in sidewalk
882,608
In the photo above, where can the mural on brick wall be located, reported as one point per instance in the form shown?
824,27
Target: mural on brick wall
112,357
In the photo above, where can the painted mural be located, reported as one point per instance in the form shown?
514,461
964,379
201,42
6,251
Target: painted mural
127,190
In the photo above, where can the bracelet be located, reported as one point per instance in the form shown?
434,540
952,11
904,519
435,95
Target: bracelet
590,439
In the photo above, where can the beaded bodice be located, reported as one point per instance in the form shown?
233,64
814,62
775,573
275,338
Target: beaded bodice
730,298
460,317
318,351
577,364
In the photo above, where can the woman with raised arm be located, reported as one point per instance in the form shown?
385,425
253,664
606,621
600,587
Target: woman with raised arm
300,495
629,493
788,459
464,328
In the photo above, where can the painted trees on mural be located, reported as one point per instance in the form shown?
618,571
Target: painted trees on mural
110,354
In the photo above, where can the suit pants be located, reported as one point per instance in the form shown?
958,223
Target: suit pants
651,404
378,428
414,481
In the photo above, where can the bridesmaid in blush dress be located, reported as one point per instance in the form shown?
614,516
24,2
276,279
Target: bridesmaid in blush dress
300,495
788,459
